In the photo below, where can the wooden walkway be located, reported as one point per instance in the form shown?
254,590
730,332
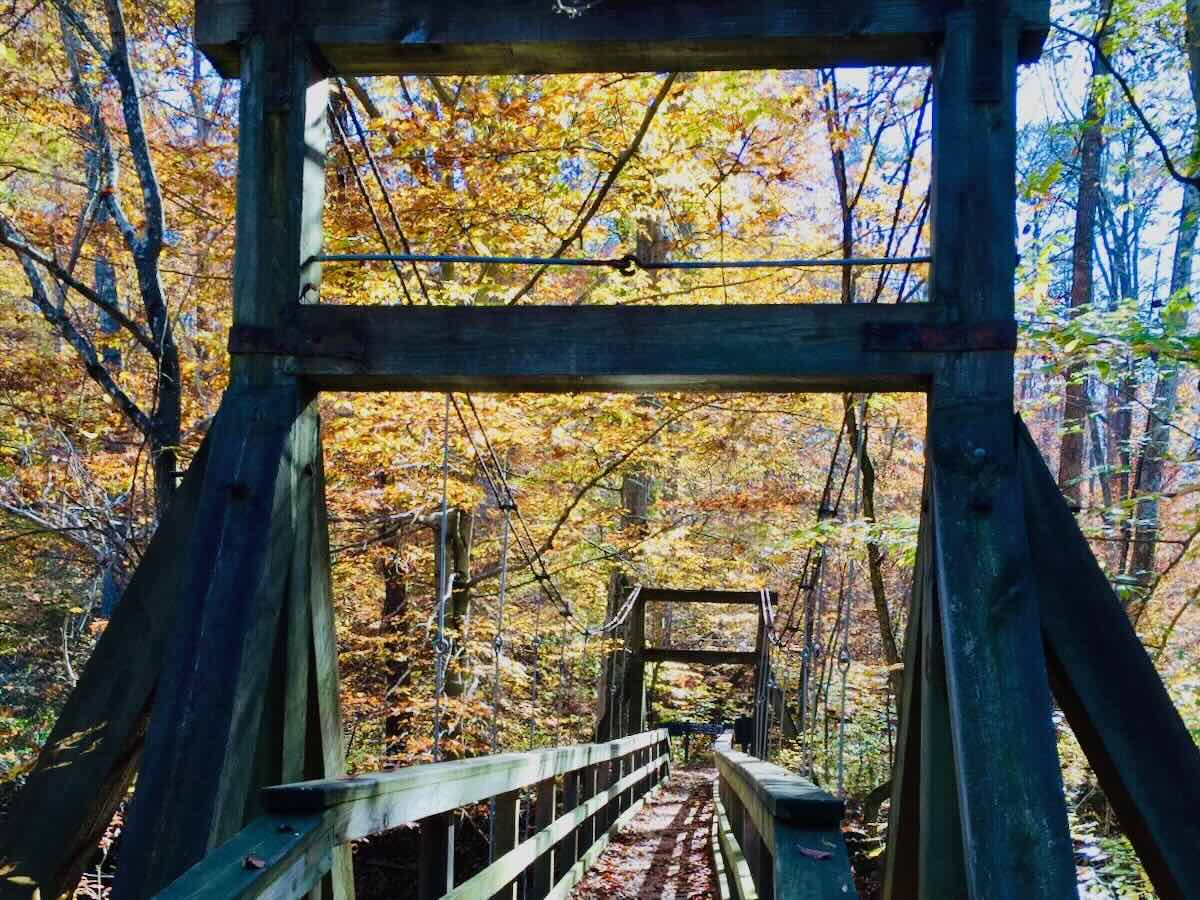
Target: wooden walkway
664,850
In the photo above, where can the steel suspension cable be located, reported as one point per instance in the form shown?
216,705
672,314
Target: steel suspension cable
497,650
844,656
440,645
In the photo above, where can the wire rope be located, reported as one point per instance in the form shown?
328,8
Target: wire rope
440,644
844,656
629,264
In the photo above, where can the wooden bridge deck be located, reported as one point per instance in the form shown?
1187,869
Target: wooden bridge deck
664,851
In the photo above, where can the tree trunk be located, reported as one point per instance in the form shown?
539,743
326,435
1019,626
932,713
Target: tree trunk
1091,148
883,615
397,668
1151,470
459,530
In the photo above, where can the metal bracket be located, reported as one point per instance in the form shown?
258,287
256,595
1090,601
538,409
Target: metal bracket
946,338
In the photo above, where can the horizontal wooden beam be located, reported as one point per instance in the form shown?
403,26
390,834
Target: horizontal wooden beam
528,36
701,657
673,595
562,349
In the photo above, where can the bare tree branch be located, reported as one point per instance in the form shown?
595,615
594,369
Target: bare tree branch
1151,132
87,352
15,241
598,200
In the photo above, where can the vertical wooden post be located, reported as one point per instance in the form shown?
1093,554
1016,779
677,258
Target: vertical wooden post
544,804
508,814
635,671
900,874
587,831
940,836
231,708
566,850
607,701
435,865
1004,743
325,752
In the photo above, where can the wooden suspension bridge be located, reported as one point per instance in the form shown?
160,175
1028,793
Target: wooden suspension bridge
216,680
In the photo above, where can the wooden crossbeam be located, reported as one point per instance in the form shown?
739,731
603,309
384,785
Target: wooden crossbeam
675,595
528,36
701,657
780,348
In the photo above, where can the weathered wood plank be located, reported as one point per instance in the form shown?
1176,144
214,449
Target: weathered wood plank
799,873
815,347
405,795
900,872
1015,838
678,595
562,890
515,36
1106,684
208,706
435,859
325,754
568,850
701,657
542,877
791,830
940,842
730,852
769,793
507,867
281,180
506,836
90,757
272,858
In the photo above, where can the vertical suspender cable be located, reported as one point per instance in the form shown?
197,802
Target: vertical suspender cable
844,656
497,649
443,589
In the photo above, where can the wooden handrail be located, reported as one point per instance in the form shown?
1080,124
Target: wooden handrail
287,851
780,834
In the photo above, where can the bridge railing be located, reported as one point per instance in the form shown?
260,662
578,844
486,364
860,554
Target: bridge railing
287,852
778,834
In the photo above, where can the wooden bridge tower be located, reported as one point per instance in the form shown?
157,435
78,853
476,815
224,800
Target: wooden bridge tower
217,674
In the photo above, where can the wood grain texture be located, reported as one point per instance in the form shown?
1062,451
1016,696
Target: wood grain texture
197,772
325,752
817,347
404,795
92,753
900,871
282,138
769,792
379,37
676,595
1140,749
800,869
1014,823
272,858
701,657
940,838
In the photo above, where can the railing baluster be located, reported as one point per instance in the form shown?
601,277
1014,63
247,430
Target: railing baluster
435,866
587,831
508,816
543,815
565,852
305,821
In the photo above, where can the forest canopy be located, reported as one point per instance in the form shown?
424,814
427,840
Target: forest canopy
118,163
